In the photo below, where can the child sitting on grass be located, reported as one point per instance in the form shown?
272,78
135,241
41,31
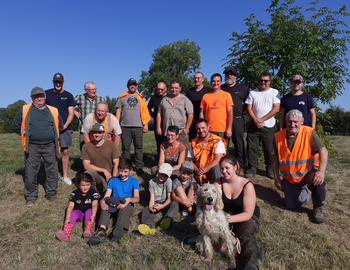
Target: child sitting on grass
184,188
160,200
122,187
83,203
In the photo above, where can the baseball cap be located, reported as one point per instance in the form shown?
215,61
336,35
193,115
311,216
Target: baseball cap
231,69
297,78
58,77
98,127
131,81
166,169
113,203
37,90
187,166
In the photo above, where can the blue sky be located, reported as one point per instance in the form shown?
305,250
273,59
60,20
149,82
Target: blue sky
110,41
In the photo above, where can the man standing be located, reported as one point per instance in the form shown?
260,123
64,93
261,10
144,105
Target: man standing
206,151
239,93
154,104
100,159
39,126
86,104
195,94
217,109
110,123
302,158
262,104
299,100
175,110
133,115
64,102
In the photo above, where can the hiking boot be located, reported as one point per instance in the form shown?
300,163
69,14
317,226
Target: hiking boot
318,214
51,198
100,237
118,233
145,229
251,266
165,224
66,180
30,203
139,171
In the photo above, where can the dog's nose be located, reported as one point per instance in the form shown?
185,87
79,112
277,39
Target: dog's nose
210,199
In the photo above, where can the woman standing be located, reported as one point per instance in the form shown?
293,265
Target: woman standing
239,198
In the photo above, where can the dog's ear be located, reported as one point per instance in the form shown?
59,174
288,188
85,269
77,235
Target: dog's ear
198,198
219,203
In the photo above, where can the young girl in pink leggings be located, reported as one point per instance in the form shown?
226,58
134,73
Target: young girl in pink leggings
83,203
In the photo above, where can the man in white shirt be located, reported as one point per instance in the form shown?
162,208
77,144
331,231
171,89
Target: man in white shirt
262,105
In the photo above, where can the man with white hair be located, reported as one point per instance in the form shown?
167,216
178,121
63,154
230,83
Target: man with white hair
302,158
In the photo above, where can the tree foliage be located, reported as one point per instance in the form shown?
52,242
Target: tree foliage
336,121
290,44
10,113
178,60
111,102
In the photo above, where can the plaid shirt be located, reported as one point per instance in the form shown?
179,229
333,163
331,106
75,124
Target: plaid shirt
85,106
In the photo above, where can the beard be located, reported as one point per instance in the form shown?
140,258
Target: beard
230,81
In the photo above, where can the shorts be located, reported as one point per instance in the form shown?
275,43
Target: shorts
66,138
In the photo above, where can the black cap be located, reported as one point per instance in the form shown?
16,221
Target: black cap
231,69
131,81
58,77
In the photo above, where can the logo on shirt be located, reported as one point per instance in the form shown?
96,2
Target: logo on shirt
64,98
301,103
215,105
88,201
132,101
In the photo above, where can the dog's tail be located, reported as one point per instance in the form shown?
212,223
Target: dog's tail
192,238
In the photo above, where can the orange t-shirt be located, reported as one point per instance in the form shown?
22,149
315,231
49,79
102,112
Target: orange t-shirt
216,107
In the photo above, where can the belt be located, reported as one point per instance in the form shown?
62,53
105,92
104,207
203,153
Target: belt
240,116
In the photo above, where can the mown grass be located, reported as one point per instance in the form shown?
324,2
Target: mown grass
291,240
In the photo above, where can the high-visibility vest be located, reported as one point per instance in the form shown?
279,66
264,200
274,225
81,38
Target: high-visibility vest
108,126
296,164
25,125
204,155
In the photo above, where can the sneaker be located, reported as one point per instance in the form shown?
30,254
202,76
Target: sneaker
251,266
30,203
100,237
145,229
165,224
51,198
139,171
66,180
118,233
318,214
184,213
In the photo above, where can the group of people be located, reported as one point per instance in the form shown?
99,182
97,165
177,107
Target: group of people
208,116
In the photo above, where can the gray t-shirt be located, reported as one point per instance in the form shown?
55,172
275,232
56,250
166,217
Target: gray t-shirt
160,191
186,187
130,111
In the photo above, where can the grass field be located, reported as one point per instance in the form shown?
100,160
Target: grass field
291,240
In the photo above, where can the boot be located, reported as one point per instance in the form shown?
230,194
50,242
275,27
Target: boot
87,229
64,235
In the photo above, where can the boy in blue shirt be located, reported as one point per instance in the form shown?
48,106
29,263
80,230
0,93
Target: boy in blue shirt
123,186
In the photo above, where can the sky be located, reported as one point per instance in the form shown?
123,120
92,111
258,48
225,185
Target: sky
109,42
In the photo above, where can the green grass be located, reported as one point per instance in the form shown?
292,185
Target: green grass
291,240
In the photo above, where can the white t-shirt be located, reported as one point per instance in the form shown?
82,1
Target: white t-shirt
262,103
220,149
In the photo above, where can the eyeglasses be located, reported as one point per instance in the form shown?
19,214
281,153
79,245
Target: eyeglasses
93,89
264,81
160,89
297,82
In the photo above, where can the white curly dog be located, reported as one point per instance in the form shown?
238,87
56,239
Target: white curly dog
213,226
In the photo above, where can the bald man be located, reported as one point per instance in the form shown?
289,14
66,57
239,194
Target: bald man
153,106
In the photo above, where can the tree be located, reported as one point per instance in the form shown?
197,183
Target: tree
292,44
10,113
111,102
178,60
339,120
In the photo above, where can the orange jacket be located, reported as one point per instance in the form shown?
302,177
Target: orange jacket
204,155
108,126
145,117
25,126
296,164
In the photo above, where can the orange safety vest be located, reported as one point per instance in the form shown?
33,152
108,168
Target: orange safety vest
204,155
108,126
296,164
25,125
144,113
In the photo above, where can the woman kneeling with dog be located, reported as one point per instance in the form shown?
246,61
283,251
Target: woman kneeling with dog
239,198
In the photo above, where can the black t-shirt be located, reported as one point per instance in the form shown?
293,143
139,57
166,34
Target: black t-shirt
83,203
196,98
239,93
154,103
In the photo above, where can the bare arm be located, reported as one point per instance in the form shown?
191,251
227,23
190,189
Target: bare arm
88,166
76,113
117,113
275,109
159,120
161,157
229,121
117,139
94,210
151,203
282,116
134,199
319,175
181,159
115,167
70,117
189,123
313,117
249,202
253,117
201,113
86,138
159,207
276,172
103,204
214,162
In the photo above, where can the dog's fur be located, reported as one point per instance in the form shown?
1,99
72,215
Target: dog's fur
212,224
